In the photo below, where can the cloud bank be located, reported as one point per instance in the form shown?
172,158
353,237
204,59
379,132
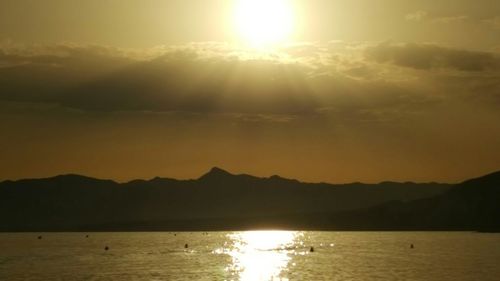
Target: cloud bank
207,78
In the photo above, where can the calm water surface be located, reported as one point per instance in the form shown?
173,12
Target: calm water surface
259,255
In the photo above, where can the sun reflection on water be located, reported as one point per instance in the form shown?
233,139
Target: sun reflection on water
261,255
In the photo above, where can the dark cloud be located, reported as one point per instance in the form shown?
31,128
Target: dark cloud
195,84
427,57
182,80
209,79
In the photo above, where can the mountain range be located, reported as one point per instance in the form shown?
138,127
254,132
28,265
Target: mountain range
219,200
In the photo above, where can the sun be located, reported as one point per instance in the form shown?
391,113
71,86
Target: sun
264,23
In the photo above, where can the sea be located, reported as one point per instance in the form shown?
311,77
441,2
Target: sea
250,255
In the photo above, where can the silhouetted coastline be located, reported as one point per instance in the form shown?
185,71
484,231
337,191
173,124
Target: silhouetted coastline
222,201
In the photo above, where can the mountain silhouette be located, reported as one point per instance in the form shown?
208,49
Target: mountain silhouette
216,174
221,200
470,205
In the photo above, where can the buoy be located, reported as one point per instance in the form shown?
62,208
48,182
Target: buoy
186,246
106,248
311,250
411,246
86,236
39,237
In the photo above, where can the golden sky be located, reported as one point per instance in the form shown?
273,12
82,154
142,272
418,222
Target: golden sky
319,90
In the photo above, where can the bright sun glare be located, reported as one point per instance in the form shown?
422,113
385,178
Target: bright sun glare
261,255
264,24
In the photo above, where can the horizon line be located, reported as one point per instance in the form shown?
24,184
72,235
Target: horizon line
220,170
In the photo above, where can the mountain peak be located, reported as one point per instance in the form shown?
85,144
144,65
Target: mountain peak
216,172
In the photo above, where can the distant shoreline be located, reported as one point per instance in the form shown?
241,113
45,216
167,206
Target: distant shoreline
221,201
